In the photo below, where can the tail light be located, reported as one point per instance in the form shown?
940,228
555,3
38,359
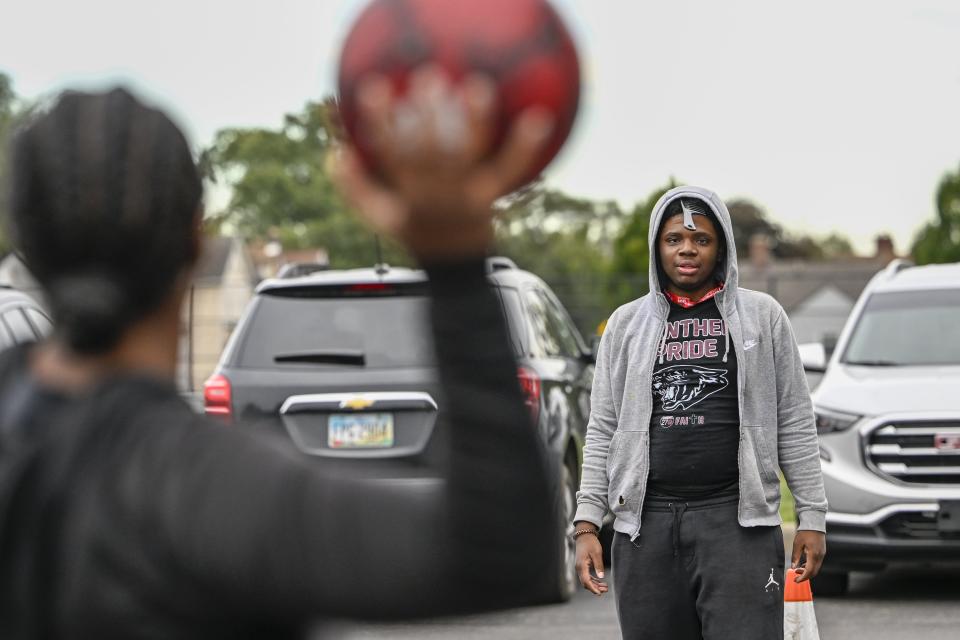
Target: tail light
216,397
530,386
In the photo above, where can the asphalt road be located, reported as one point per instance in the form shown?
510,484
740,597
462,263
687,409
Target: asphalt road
893,605
899,603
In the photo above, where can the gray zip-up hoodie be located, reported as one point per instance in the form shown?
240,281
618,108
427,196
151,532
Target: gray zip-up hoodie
777,425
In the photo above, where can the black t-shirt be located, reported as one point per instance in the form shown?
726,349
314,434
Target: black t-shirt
695,425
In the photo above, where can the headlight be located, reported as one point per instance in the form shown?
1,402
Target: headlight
829,421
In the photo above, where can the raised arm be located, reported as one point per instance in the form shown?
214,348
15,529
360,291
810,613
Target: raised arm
279,534
495,537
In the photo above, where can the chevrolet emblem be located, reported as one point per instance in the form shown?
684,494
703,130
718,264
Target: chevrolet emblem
357,403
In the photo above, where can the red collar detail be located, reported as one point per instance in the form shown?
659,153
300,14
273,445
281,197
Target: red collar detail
687,302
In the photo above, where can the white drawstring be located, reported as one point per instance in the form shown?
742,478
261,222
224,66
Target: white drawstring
726,326
663,340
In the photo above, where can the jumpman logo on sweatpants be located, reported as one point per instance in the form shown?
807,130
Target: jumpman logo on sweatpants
772,584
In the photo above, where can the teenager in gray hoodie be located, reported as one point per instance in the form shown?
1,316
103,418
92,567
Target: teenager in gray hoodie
699,396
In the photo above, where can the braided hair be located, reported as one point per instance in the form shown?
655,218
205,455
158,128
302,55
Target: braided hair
103,202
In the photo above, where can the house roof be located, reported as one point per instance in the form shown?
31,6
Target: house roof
213,259
216,254
792,282
210,269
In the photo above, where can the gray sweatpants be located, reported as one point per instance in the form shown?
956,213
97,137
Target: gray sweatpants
694,573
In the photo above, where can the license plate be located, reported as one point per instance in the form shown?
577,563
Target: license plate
948,520
360,430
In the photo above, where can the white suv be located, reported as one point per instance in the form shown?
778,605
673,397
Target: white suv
888,414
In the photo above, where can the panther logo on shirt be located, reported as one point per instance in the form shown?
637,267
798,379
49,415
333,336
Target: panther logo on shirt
683,386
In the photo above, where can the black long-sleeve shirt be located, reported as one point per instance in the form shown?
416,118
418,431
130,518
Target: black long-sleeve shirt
123,514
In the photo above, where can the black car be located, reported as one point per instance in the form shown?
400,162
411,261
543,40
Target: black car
21,318
342,363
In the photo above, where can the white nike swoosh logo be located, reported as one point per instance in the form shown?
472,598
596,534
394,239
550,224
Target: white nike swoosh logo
750,344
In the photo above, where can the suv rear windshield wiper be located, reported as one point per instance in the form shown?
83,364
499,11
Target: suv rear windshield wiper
350,357
872,363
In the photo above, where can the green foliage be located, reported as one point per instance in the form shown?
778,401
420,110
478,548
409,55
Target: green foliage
939,241
836,246
797,247
565,240
282,191
8,100
749,219
10,113
631,251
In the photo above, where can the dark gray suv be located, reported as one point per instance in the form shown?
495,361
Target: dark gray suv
342,364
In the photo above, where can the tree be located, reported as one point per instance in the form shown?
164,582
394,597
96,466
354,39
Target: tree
797,247
939,241
749,219
631,251
564,240
836,246
11,112
281,190
538,212
8,100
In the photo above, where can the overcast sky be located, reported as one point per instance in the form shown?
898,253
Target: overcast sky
833,115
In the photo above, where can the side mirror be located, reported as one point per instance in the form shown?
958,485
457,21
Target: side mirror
813,355
594,348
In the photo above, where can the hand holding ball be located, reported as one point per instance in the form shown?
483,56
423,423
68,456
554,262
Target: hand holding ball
455,78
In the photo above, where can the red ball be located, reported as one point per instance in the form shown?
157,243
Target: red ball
522,45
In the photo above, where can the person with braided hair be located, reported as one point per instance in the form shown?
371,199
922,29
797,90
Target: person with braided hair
124,514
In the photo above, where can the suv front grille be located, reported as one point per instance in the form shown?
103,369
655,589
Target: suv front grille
916,526
922,452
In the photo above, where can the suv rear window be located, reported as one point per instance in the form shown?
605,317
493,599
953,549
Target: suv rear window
325,331
907,328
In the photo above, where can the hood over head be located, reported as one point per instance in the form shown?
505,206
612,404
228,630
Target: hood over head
721,217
